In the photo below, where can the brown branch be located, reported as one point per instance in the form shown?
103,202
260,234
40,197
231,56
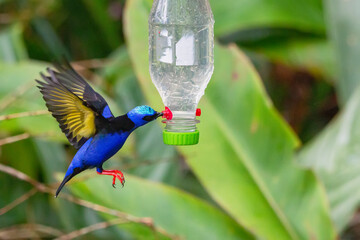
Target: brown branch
78,65
24,136
18,201
22,176
24,114
127,217
28,231
14,138
5,18
11,97
96,207
90,63
91,228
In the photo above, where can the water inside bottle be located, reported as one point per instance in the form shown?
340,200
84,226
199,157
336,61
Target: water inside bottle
181,65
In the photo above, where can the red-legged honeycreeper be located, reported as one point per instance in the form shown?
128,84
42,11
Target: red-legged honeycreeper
86,119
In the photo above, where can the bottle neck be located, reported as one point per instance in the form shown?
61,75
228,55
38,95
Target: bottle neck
181,125
181,122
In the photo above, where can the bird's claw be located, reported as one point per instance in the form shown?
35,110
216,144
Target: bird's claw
116,175
121,179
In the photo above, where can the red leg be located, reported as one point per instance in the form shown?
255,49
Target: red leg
115,173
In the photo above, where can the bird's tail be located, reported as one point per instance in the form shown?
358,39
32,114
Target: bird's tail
67,178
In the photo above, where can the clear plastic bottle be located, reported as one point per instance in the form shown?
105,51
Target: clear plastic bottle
181,43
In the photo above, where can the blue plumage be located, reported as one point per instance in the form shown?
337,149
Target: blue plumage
140,114
97,150
106,112
105,144
87,121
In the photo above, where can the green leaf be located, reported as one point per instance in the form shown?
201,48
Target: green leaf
334,155
245,156
52,158
174,211
12,47
49,37
290,32
343,18
25,160
316,56
100,14
20,78
139,232
231,16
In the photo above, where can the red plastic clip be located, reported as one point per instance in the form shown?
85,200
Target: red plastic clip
167,113
198,112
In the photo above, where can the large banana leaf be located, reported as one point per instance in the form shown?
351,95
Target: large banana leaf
175,211
343,18
12,47
285,31
16,78
245,155
316,56
304,15
334,153
335,156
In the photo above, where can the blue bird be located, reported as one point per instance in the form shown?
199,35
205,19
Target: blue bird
86,120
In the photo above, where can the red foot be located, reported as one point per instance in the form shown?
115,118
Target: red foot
116,174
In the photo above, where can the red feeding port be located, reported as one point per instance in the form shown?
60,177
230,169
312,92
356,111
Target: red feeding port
198,112
167,114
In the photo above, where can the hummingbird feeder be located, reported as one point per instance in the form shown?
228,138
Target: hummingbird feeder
181,54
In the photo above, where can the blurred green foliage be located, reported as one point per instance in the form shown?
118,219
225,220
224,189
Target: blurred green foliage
248,178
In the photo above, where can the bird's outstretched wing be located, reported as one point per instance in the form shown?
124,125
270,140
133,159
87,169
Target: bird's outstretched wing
73,103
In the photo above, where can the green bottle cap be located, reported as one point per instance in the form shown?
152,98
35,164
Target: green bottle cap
181,138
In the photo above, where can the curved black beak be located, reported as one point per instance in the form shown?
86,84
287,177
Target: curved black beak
158,114
152,117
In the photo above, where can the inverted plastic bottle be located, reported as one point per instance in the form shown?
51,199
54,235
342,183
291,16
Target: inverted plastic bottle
181,47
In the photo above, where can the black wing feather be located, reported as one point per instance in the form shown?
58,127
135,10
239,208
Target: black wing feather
66,81
56,111
74,82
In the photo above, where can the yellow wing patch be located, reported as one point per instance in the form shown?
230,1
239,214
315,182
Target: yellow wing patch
78,119
73,103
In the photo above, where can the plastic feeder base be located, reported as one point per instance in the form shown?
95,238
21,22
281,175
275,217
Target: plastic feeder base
181,138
